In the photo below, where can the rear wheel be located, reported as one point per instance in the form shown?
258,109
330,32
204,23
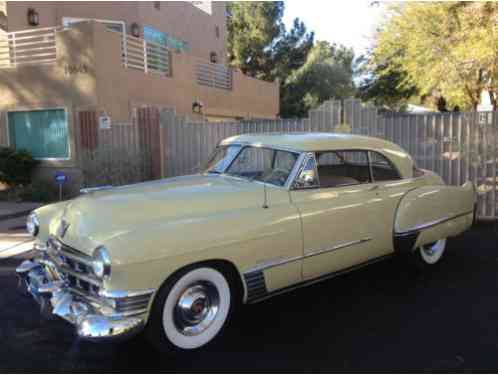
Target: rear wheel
190,310
430,254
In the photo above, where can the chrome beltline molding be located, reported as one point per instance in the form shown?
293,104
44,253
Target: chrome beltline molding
430,224
279,262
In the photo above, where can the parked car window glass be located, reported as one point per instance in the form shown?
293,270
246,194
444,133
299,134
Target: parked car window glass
43,133
382,168
221,158
308,177
263,164
341,168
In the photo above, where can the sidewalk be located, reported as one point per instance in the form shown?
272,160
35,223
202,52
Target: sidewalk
14,239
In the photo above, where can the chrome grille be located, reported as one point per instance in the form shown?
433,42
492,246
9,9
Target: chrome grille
74,266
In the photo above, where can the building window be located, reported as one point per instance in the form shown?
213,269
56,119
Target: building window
44,133
155,36
157,5
217,31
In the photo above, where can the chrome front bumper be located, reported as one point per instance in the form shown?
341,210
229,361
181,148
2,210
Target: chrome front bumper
94,320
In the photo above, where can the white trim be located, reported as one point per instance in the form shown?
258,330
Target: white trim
69,157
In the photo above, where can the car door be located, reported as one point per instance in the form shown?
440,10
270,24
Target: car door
341,211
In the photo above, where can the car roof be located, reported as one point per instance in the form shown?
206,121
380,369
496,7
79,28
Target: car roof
316,142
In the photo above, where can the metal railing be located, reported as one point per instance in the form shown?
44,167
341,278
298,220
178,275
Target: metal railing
28,47
214,75
145,56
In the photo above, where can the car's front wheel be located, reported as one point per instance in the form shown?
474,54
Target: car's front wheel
190,310
430,254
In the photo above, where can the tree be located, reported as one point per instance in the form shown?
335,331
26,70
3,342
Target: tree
327,73
253,30
449,48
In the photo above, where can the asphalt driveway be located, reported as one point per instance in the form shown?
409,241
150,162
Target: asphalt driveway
384,317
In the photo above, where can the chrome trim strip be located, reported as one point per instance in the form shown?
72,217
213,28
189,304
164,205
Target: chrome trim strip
320,278
124,294
430,224
275,263
336,247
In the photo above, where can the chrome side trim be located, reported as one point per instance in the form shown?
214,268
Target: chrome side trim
279,262
336,247
320,278
92,189
430,224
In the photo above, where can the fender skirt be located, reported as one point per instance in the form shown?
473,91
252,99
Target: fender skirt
430,213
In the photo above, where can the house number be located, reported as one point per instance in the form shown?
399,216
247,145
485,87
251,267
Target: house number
75,69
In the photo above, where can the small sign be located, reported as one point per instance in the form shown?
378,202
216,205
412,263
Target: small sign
104,122
60,178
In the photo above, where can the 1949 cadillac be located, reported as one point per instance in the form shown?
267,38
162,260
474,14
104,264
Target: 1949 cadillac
270,213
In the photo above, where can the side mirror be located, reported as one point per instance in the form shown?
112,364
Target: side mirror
305,179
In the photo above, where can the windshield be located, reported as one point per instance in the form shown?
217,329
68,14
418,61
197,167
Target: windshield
263,164
221,158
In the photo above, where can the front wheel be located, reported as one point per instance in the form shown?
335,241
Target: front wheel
430,254
190,310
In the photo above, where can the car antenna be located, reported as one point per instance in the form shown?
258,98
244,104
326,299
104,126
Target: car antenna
265,202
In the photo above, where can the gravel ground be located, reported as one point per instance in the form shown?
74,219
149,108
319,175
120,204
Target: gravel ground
384,317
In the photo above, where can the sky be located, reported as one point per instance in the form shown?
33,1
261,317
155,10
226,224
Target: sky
348,22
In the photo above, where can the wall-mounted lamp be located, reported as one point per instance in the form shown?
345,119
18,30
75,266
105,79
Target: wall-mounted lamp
213,57
135,29
33,17
197,106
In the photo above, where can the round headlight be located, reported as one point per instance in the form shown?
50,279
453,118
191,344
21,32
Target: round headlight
101,263
32,224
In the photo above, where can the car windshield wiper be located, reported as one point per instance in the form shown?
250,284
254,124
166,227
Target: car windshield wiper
214,172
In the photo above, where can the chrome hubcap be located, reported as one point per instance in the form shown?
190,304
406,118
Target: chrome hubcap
196,308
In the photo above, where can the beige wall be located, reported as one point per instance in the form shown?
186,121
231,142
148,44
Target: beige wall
181,19
121,89
51,86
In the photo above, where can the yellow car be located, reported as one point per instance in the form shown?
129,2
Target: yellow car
269,213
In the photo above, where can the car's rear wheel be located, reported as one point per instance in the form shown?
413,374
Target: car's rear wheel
190,310
430,254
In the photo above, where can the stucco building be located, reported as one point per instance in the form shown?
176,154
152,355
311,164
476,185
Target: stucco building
60,58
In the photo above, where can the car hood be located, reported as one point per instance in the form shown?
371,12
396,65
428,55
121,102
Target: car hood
96,218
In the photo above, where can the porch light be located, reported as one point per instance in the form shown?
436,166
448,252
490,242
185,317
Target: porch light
197,106
33,17
135,29
213,57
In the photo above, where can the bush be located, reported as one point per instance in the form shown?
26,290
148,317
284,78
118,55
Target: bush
16,166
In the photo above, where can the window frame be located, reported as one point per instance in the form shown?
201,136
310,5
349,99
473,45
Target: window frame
369,165
369,161
292,173
391,164
69,143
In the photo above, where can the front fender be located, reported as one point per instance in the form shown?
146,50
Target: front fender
430,213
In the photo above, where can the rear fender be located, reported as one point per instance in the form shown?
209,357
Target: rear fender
430,213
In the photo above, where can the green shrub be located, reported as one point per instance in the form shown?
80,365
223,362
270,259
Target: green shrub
16,166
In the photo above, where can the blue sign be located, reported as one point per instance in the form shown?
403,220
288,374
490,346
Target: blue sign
60,178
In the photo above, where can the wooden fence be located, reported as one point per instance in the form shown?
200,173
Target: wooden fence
123,154
457,146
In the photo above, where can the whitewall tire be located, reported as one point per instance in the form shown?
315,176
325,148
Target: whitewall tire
191,309
430,254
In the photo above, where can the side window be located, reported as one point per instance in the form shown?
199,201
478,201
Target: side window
308,177
342,168
382,168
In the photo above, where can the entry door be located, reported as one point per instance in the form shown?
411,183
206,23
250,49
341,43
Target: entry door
342,217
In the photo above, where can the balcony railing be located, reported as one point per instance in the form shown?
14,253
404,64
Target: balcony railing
214,75
145,56
28,47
